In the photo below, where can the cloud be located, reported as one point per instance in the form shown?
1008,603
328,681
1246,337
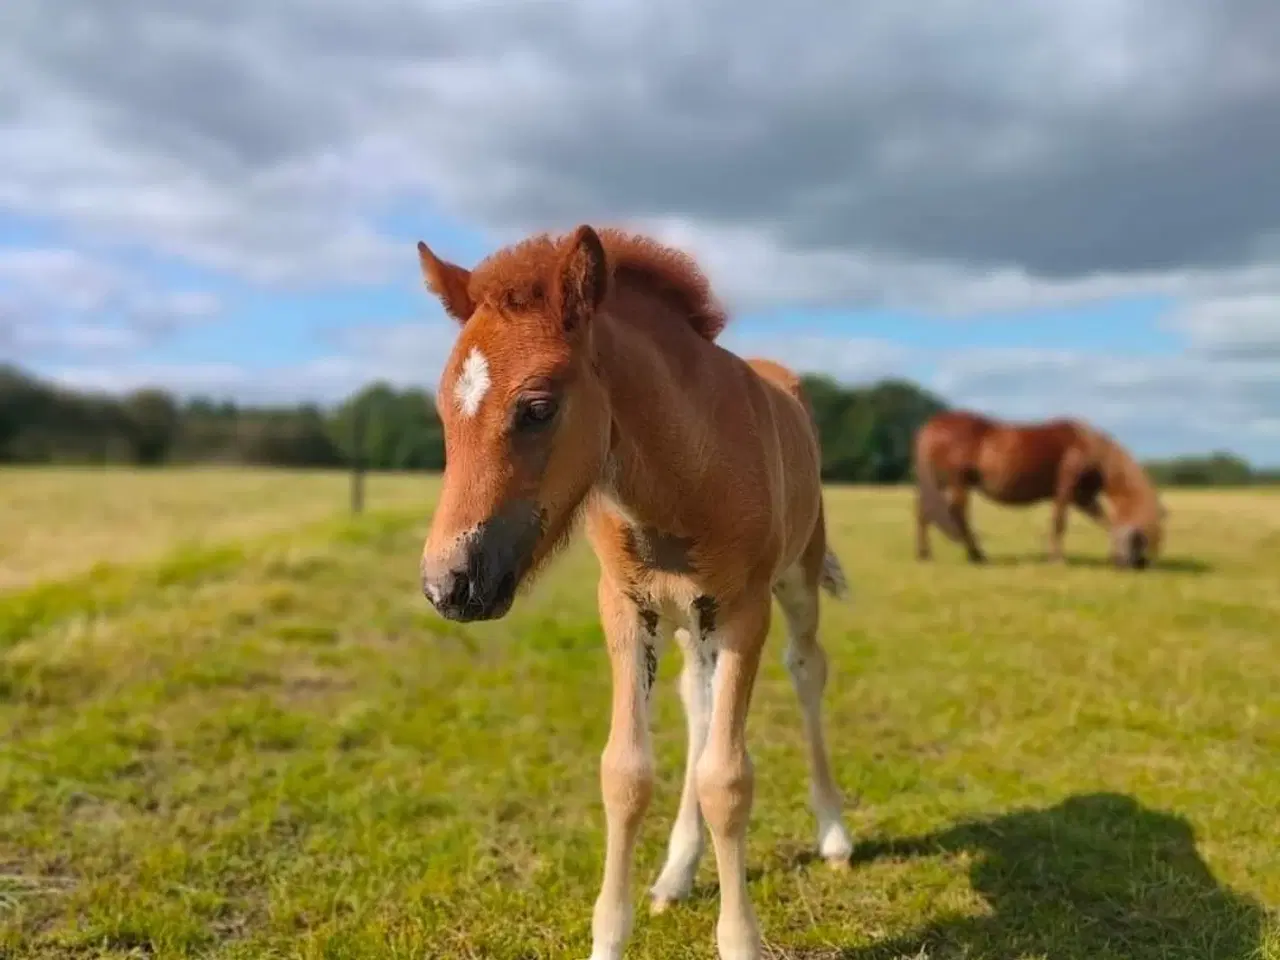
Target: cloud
55,278
974,161
1171,403
323,381
406,355
62,299
858,154
1243,327
847,359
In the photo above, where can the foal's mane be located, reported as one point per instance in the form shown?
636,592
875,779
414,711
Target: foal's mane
517,277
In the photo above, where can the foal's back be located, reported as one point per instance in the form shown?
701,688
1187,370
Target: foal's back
795,460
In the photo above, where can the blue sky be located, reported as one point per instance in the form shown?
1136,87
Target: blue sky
1064,234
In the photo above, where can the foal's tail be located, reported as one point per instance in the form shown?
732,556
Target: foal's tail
932,504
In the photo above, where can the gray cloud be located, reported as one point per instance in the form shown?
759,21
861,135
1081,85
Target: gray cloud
977,159
1110,138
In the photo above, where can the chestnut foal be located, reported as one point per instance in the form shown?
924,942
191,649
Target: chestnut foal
585,378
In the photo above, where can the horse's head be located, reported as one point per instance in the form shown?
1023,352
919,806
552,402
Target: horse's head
526,419
1136,541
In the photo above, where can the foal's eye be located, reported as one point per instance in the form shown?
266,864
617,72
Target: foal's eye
535,412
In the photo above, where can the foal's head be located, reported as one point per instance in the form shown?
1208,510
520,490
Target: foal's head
526,419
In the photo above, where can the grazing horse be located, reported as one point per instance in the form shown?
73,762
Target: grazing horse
586,380
1019,464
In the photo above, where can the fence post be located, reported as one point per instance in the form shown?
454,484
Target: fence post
358,415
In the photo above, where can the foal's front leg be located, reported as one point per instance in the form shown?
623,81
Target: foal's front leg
626,766
725,780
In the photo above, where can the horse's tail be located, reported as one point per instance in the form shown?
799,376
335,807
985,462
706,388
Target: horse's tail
932,504
833,579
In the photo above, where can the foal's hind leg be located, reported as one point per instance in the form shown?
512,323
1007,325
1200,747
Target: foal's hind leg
724,775
806,661
686,845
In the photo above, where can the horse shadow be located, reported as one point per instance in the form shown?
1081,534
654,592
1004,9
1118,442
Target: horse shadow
1164,565
1096,877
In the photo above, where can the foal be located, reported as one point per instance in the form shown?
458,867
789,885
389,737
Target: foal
586,378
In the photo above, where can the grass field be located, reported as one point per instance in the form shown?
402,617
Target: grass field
230,727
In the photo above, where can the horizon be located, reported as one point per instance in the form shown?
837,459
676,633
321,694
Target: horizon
1045,213
333,407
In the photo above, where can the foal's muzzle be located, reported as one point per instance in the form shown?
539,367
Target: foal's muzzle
469,594
479,577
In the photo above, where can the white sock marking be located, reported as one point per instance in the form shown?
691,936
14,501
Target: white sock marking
472,384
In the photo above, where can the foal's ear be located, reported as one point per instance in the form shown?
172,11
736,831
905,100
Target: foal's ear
583,279
447,281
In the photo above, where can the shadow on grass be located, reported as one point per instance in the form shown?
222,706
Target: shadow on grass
1097,877
1166,565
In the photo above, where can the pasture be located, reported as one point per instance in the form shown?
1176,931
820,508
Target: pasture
231,727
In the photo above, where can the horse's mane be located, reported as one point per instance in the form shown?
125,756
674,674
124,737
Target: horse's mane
1117,461
516,277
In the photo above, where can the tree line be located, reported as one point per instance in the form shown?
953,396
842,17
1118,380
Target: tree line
866,431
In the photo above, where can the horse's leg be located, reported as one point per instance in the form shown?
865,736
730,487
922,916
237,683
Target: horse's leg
806,661
923,551
958,503
685,847
1058,523
1066,492
626,766
724,774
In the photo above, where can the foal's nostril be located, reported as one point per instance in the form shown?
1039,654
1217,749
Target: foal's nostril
450,592
460,591
431,591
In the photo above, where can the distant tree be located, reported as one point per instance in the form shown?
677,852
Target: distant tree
155,420
401,431
866,432
1217,469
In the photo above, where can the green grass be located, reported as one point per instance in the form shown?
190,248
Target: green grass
257,742
58,522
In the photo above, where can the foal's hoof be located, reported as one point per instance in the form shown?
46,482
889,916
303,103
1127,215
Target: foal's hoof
659,905
674,884
835,846
663,896
747,948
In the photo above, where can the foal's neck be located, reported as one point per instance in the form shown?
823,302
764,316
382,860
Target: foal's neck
661,378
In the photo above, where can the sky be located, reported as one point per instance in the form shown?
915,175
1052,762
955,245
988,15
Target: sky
1034,210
